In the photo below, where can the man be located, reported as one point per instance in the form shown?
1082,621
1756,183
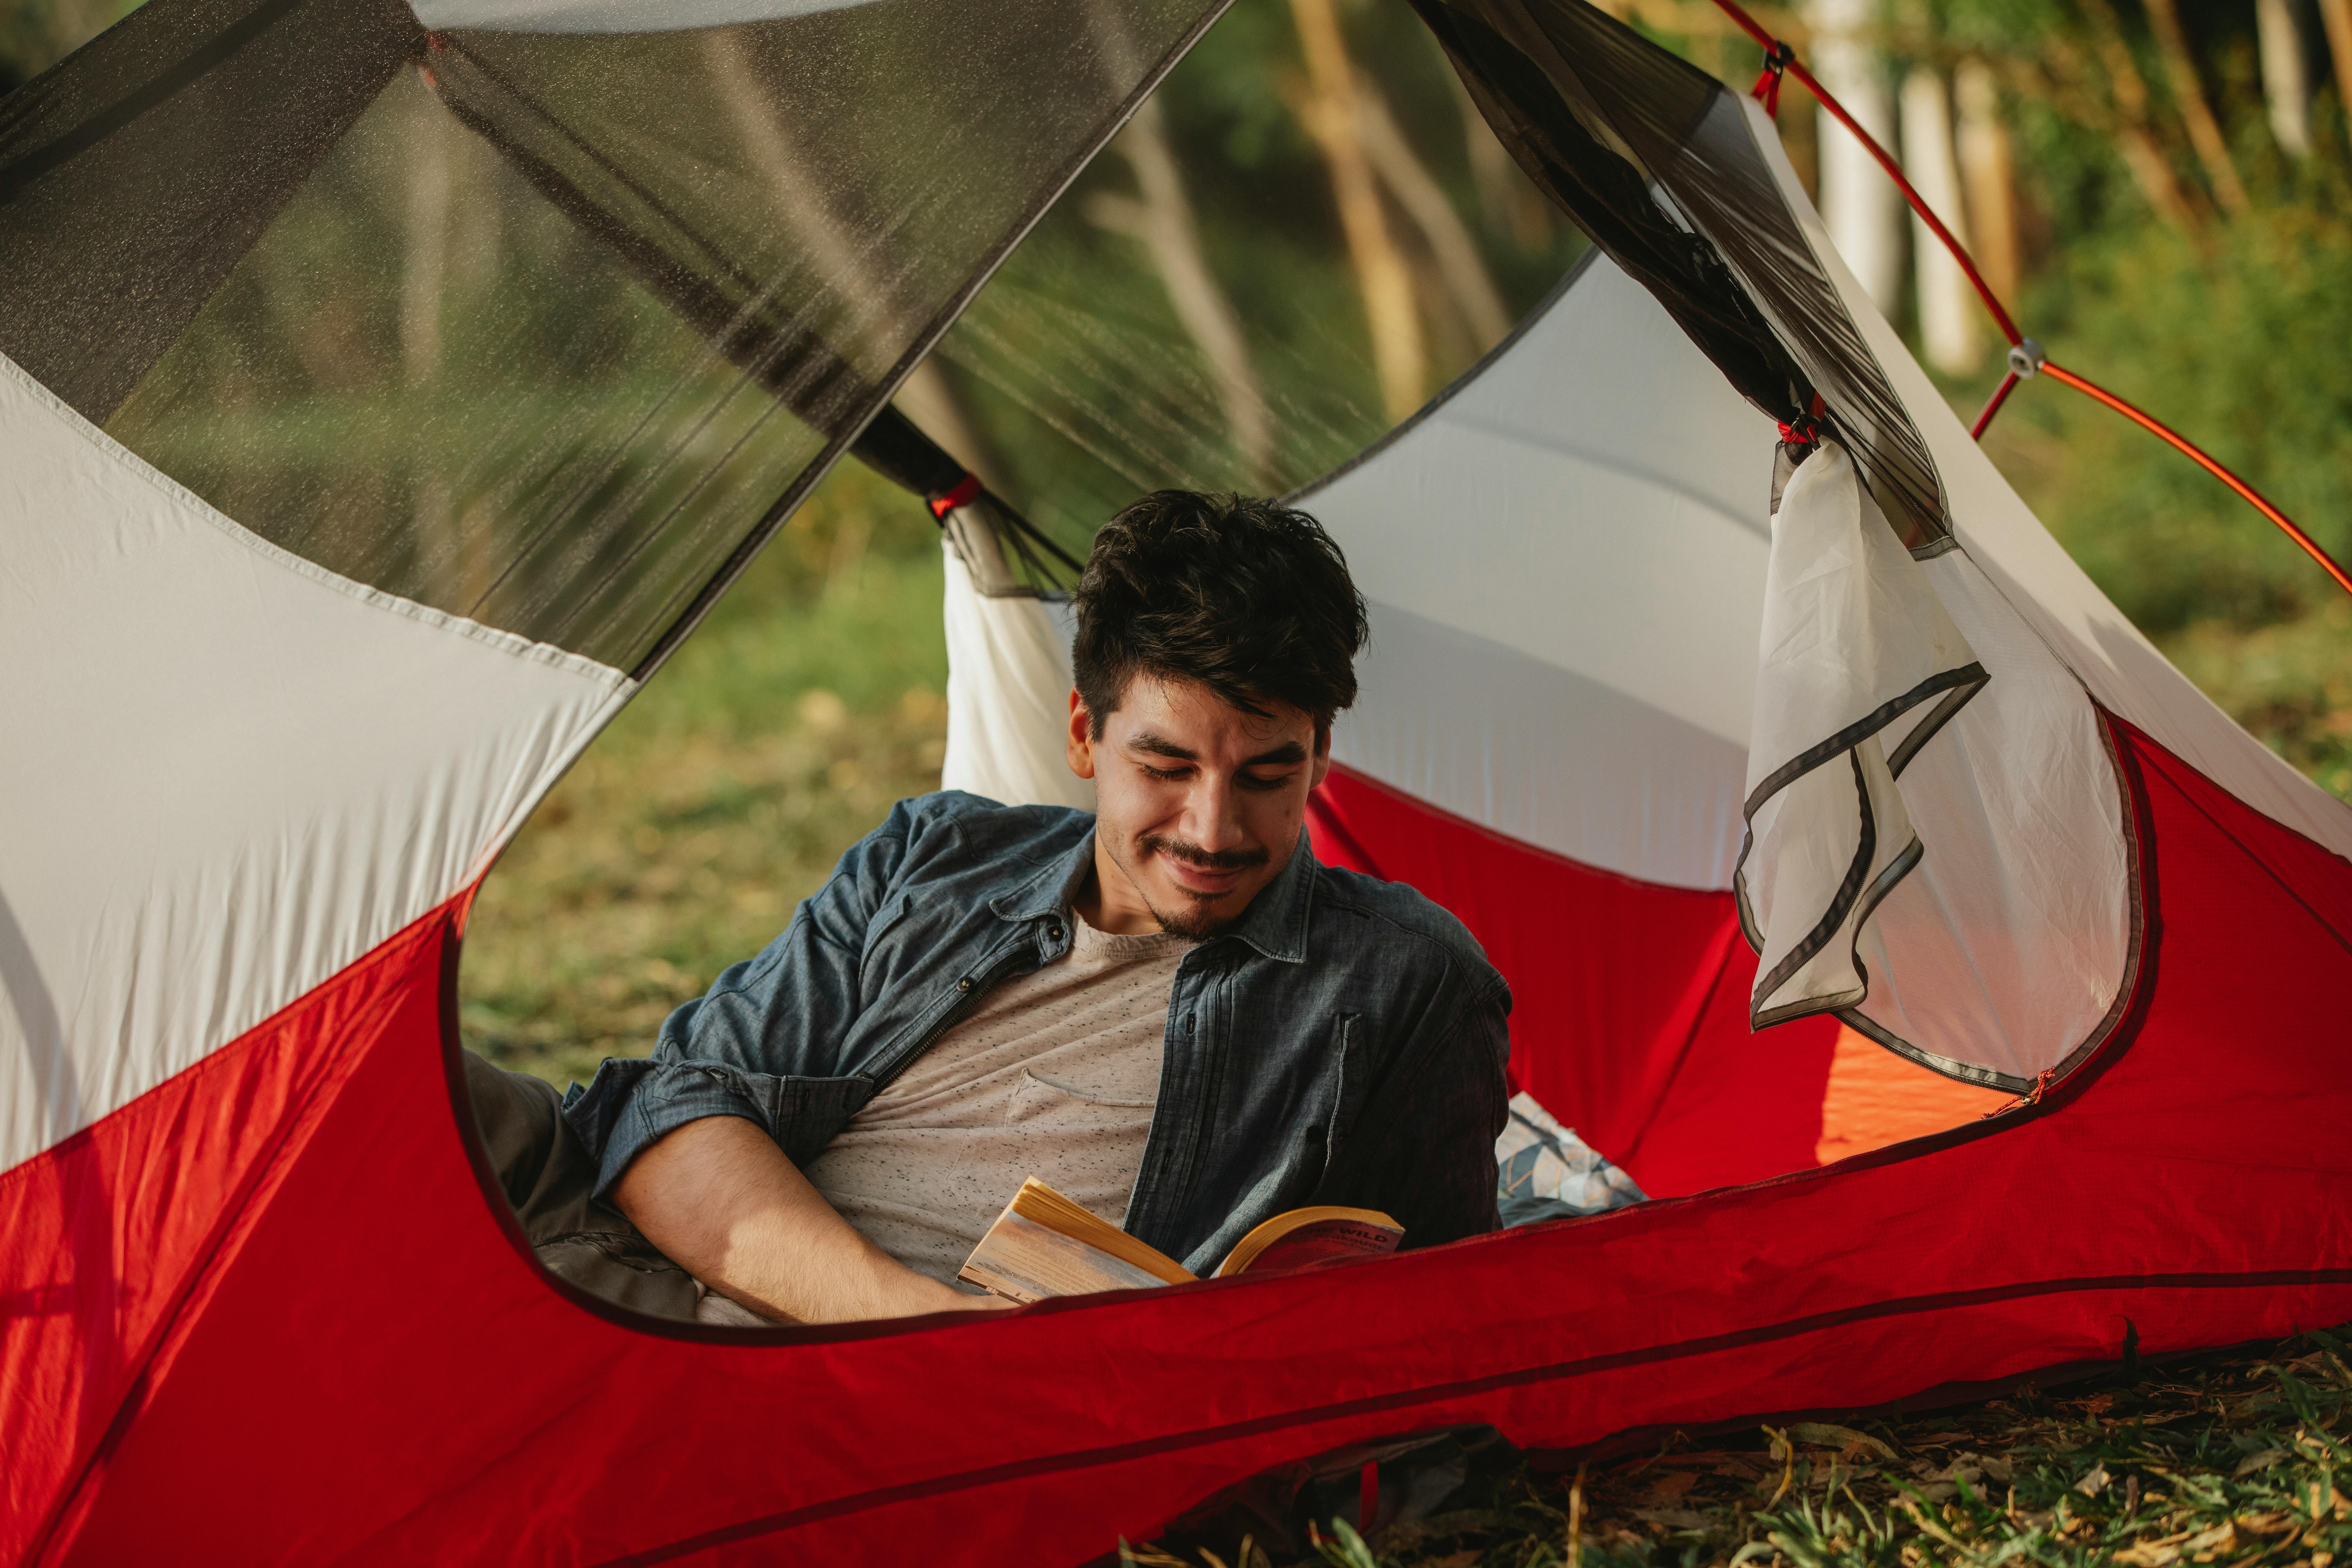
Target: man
1167,1010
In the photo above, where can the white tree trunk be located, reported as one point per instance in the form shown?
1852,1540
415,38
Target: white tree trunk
2286,75
1948,302
1160,217
1989,177
1861,207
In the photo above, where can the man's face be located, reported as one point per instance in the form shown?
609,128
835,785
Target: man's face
1198,804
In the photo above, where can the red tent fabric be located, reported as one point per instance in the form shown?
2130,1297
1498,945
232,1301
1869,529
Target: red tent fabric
408,1386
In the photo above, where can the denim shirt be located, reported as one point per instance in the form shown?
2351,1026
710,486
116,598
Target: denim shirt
1342,1042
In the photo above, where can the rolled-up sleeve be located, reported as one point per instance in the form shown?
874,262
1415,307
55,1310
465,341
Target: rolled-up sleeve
762,1043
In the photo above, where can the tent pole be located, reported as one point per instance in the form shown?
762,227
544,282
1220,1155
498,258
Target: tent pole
2253,498
1778,57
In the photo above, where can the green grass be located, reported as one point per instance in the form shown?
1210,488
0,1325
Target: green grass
2232,1459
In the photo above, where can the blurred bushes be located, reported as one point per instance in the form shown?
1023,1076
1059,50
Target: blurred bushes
2244,342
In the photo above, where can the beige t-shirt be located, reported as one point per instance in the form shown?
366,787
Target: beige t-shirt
1053,1074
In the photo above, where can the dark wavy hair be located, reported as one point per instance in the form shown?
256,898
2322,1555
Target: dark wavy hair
1250,598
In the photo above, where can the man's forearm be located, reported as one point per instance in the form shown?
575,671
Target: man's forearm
722,1202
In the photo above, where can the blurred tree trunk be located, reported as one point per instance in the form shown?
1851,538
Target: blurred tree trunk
2337,16
1331,114
426,249
2134,131
856,279
2286,75
1948,304
435,531
1159,217
852,292
1424,201
2204,131
1860,205
1989,178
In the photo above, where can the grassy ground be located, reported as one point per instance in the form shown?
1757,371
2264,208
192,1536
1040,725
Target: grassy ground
2229,1459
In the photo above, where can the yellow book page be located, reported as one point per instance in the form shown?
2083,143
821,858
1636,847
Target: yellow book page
1037,1202
1335,1233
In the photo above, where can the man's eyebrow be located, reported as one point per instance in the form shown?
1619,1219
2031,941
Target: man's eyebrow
1286,754
1161,746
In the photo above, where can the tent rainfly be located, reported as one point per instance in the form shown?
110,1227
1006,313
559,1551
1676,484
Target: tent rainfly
1699,730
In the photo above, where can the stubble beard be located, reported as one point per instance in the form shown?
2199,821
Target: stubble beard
1201,920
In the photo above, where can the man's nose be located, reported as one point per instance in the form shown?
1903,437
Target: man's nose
1210,819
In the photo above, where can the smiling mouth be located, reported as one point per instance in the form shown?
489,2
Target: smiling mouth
1204,873
1204,881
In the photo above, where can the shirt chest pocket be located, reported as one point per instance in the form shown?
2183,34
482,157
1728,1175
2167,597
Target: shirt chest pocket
1102,1100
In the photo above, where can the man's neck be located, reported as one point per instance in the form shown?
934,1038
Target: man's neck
1108,901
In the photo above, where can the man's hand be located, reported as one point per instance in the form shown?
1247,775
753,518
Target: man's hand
723,1203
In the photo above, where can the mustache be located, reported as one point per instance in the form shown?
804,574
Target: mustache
1207,860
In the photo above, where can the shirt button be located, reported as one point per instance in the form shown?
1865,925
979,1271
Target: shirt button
965,984
1055,933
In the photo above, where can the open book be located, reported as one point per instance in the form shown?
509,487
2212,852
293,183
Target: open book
1045,1244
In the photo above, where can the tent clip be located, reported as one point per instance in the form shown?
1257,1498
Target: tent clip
1767,90
967,491
1806,430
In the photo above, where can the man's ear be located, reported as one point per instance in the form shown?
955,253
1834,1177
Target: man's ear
1081,737
1322,768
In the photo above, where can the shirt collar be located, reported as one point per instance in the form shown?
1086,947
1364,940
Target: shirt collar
1274,923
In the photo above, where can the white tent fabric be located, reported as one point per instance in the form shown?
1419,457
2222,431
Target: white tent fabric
1008,690
345,762
1564,560
1858,667
1567,560
611,16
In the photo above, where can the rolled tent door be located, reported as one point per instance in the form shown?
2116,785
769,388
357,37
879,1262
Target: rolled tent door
1008,673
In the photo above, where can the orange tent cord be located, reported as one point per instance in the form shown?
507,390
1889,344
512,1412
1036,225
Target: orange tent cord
2253,498
1774,49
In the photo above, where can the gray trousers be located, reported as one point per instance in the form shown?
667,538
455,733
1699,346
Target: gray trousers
547,1176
